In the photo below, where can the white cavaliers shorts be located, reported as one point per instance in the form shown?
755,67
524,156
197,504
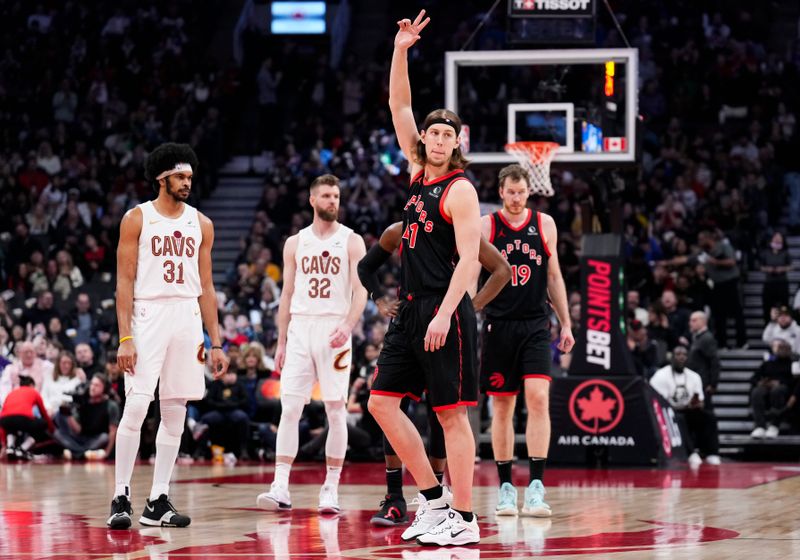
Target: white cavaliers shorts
168,335
310,358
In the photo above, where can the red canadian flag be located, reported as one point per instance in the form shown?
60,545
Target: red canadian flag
615,144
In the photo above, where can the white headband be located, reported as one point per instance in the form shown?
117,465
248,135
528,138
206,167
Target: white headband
179,168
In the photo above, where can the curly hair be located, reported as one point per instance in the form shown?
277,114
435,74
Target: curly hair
165,157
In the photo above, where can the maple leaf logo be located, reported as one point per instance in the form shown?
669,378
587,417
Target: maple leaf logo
596,407
598,413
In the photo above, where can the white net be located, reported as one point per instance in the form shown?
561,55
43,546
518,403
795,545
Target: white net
535,157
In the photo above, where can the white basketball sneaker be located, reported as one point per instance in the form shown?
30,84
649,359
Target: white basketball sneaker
328,499
276,499
453,531
429,514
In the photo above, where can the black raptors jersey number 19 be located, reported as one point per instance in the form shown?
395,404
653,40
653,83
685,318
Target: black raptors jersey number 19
524,247
428,249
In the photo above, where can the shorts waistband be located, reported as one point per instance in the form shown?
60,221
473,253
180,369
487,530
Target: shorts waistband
302,317
495,318
421,294
165,301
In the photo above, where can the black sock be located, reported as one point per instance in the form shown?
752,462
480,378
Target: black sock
432,493
394,481
504,471
439,476
536,466
467,515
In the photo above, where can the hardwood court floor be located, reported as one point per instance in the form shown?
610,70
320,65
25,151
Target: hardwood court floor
736,511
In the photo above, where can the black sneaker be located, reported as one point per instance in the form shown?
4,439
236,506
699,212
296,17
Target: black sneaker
121,512
392,512
161,513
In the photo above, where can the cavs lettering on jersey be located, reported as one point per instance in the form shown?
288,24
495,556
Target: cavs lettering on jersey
524,247
428,249
322,280
169,249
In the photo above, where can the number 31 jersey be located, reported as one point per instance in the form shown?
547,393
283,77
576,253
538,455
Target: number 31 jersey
322,285
169,249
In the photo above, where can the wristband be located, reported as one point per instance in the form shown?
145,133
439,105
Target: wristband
124,338
216,347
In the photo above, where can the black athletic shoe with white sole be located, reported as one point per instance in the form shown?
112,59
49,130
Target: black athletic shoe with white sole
161,513
121,512
393,512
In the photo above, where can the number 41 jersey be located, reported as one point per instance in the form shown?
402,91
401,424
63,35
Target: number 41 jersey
167,264
428,249
322,281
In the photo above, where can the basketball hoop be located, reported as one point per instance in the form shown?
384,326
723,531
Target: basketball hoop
535,157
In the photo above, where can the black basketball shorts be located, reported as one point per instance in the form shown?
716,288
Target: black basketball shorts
450,374
512,351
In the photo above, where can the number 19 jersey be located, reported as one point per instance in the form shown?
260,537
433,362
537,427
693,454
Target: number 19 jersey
322,285
168,261
524,247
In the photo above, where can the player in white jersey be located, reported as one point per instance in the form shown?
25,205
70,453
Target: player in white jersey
164,289
321,302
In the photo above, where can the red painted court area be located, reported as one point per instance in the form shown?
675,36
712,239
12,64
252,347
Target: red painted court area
734,511
732,476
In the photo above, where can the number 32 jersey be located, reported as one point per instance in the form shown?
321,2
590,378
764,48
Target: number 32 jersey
169,249
322,284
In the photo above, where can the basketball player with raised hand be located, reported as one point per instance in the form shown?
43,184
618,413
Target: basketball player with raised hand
432,343
393,507
165,293
321,302
516,336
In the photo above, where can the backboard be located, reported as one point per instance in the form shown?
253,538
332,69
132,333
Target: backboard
583,99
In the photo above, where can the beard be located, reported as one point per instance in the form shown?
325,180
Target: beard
176,194
327,215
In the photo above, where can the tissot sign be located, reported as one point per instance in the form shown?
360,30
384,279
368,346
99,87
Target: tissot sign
621,416
560,8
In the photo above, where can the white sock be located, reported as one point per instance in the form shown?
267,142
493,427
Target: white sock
336,442
332,478
28,443
168,441
282,471
11,439
127,448
127,444
288,432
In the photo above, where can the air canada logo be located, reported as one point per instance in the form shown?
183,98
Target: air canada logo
596,406
497,380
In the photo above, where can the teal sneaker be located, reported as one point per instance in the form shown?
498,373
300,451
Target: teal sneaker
506,500
535,505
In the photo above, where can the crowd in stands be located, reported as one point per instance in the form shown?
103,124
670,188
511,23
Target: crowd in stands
717,164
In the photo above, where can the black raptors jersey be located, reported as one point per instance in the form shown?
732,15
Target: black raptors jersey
428,249
525,296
